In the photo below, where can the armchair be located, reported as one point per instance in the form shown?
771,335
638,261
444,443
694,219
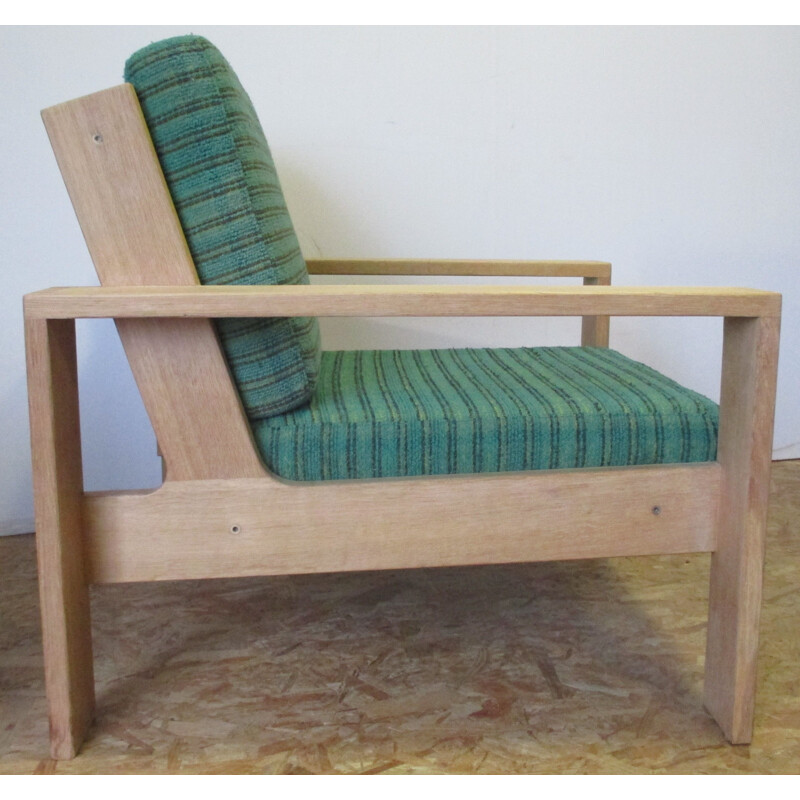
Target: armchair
279,460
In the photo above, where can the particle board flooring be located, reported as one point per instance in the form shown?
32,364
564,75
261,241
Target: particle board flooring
582,667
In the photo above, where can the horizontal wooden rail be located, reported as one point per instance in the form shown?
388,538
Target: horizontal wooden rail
214,529
480,268
397,301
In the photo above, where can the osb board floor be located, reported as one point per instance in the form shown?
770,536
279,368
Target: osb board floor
582,667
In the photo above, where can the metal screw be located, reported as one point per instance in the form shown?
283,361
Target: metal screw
656,510
235,529
97,138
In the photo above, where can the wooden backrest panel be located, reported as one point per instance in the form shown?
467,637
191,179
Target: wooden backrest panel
117,188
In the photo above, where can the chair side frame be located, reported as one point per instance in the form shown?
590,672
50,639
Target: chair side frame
204,510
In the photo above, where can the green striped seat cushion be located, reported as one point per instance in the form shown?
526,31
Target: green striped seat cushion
226,191
431,412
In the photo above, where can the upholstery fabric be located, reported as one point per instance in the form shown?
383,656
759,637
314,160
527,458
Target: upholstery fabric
391,413
431,412
228,197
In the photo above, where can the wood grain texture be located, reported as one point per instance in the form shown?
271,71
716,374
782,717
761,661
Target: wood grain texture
58,489
121,199
219,513
588,667
747,405
207,529
398,301
477,268
595,329
117,189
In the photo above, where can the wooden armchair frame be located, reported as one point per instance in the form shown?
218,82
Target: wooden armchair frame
220,513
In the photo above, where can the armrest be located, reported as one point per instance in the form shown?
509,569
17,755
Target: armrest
397,301
600,270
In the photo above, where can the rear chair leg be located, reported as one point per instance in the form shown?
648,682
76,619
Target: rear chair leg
58,490
749,368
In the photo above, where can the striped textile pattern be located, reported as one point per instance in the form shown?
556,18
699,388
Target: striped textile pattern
228,197
393,413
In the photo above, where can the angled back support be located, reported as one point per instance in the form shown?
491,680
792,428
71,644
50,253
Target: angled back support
117,188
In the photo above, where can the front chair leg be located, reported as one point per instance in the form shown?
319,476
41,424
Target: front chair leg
58,490
749,369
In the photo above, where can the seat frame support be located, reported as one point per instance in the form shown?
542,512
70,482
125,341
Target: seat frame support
219,512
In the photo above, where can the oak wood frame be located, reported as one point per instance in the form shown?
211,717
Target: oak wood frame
212,518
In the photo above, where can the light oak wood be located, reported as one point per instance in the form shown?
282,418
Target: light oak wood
398,301
58,490
220,513
477,268
214,660
595,329
117,188
213,529
747,405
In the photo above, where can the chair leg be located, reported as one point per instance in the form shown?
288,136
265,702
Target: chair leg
58,489
749,368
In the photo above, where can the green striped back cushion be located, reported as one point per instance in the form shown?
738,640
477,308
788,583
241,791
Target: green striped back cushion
226,191
393,413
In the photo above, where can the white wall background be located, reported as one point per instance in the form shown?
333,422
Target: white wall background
671,152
